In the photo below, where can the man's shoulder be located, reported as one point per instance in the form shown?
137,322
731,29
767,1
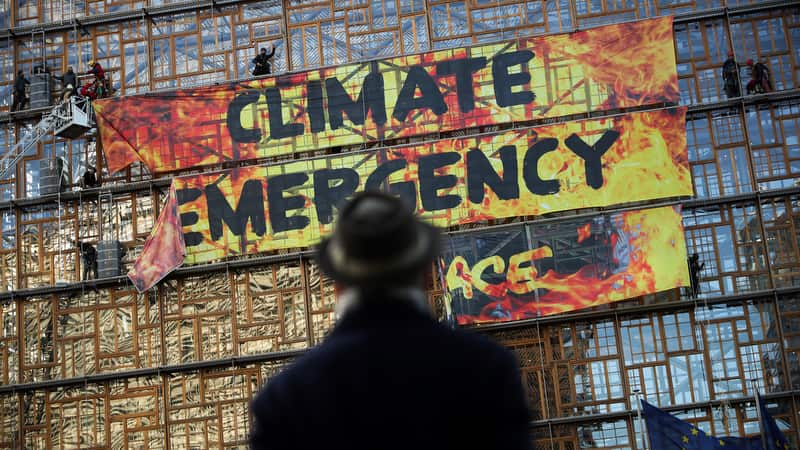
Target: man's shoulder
425,337
479,344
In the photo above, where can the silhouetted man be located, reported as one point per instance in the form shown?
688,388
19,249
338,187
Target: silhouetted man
730,77
262,62
20,99
89,179
761,81
695,267
69,82
389,376
89,259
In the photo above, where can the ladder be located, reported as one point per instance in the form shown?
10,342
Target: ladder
67,119
28,142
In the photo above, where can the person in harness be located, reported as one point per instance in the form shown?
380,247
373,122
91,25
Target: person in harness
91,90
760,82
100,81
20,99
262,62
730,77
69,81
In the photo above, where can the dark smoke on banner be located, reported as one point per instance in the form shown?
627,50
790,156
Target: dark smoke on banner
541,269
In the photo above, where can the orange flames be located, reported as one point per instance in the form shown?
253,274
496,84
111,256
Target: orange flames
619,66
621,59
584,232
648,161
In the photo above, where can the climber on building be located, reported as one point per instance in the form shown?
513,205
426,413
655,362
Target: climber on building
262,62
760,81
730,76
20,99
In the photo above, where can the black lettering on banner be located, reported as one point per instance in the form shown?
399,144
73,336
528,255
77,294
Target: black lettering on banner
277,128
326,197
592,155
431,97
234,118
183,196
405,189
462,68
504,81
480,172
279,205
530,168
430,183
250,208
316,112
371,97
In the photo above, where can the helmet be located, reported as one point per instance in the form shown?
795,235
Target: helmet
749,62
91,62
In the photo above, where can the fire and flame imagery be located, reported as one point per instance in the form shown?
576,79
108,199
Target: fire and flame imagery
555,267
610,67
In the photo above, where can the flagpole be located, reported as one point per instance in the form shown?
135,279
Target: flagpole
754,383
642,436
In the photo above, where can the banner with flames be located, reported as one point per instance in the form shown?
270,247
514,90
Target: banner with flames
526,172
555,267
611,67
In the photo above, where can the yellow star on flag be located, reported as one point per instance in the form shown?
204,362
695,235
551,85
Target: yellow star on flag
694,431
721,443
686,439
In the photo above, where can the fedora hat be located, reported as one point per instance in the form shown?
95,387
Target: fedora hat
377,241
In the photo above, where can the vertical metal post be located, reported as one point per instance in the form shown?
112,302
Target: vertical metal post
642,435
754,384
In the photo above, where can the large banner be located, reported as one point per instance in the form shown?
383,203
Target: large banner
528,172
605,68
536,270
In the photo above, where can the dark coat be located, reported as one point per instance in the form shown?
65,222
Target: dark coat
389,377
20,82
262,63
69,78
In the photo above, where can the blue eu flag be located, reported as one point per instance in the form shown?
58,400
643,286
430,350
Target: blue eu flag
667,432
774,439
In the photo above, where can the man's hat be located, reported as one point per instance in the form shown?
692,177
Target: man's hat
749,62
377,241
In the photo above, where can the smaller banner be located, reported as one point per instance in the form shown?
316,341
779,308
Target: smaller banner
527,172
611,67
164,250
555,267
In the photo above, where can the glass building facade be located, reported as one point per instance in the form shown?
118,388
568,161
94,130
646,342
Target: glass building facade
94,364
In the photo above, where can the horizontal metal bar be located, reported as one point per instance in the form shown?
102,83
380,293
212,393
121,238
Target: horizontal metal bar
715,13
614,311
123,281
180,8
595,418
741,198
283,355
245,263
236,361
164,181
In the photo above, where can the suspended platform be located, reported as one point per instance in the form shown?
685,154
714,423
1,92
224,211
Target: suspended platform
73,118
